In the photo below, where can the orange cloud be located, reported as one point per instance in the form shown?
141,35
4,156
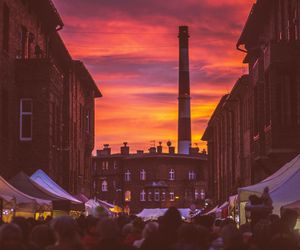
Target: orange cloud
131,49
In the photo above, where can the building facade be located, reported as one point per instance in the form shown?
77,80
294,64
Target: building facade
228,140
149,180
270,133
45,97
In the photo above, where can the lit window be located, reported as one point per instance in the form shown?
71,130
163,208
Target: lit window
127,175
104,186
172,196
143,175
149,196
143,195
26,119
163,196
156,195
192,175
172,175
127,195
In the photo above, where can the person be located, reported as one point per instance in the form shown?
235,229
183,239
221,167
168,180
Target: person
109,236
42,236
11,237
90,239
149,229
66,234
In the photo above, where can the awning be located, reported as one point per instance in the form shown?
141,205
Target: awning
42,179
12,195
283,186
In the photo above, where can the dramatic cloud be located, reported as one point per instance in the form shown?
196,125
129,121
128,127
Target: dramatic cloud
131,49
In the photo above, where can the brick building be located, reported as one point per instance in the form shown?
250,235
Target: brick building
149,180
46,98
270,40
228,141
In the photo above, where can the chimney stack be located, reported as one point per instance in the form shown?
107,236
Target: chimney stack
159,148
184,103
125,149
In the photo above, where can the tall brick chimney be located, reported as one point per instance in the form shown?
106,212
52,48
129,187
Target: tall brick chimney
184,103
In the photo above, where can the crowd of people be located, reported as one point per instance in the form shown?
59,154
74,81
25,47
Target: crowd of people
169,232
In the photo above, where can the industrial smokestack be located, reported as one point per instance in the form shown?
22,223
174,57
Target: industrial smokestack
184,103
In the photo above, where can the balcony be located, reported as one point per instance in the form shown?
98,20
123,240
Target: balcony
283,54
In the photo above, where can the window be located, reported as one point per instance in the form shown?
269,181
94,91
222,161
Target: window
127,175
156,195
172,175
163,196
105,165
104,186
196,194
127,195
192,175
143,175
23,43
115,165
149,196
143,195
26,119
5,27
172,196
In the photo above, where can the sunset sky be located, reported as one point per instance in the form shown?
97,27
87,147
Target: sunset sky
131,49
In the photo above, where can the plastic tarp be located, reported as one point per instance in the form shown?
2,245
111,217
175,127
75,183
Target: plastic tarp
214,210
12,195
283,186
42,179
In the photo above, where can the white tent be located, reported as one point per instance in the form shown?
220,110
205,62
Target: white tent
42,179
284,186
12,195
155,213
152,213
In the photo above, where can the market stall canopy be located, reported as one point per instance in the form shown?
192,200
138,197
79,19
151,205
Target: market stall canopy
42,179
283,186
23,182
9,193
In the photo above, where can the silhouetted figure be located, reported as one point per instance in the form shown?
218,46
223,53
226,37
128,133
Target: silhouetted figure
109,236
42,236
66,234
11,238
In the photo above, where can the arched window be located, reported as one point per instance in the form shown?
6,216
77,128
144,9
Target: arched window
127,175
172,175
156,195
192,175
143,195
127,195
143,175
104,186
